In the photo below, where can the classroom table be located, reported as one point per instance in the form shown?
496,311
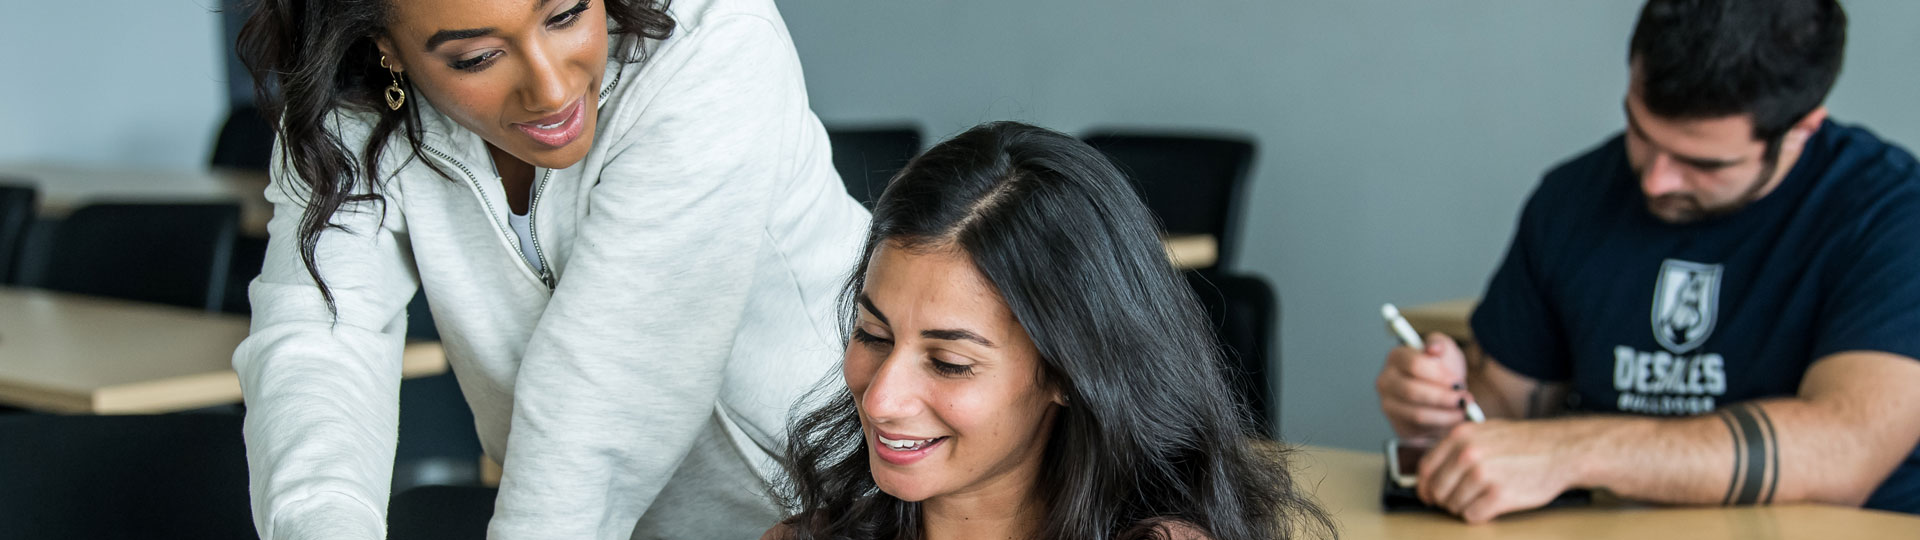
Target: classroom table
1348,484
1448,317
80,354
1192,251
66,187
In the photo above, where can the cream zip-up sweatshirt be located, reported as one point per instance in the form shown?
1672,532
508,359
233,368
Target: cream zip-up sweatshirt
637,388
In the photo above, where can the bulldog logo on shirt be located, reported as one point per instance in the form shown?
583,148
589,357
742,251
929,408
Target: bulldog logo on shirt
1686,303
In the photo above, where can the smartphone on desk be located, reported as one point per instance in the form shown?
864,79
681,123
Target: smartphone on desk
1403,474
1403,463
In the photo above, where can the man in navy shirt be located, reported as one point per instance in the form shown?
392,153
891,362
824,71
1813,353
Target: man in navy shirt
1727,295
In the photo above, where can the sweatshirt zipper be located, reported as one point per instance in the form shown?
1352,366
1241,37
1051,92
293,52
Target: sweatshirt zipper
544,274
545,271
533,230
474,181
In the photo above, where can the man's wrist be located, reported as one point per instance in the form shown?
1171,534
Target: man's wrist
1584,453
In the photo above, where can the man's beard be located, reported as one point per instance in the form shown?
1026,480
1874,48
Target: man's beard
1684,208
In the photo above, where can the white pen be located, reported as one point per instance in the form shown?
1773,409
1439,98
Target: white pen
1412,339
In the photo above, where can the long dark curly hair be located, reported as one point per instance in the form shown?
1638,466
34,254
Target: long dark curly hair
309,58
1152,435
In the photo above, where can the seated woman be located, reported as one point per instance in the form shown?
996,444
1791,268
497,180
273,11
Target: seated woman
1024,362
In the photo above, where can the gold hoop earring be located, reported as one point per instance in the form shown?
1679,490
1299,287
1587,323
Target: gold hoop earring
396,96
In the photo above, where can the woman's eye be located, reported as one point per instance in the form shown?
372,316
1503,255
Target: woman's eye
474,63
866,338
566,19
951,369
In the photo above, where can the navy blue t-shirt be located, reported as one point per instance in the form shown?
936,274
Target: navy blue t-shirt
1641,316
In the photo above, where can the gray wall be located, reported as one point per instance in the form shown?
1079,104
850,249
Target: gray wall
134,83
1398,139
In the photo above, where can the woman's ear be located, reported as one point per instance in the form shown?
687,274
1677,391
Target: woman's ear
1059,398
388,57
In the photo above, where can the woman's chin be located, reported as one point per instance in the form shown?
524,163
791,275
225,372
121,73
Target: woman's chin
558,158
905,488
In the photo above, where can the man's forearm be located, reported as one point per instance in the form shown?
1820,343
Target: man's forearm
1503,393
1781,450
1681,460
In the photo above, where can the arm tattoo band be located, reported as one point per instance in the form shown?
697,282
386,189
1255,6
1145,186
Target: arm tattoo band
1756,456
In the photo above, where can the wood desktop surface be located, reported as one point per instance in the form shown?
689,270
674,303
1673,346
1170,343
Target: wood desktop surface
79,354
1448,317
1348,484
1192,251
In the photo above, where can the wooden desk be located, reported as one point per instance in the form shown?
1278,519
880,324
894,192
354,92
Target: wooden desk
78,354
1192,251
1449,317
1347,483
65,187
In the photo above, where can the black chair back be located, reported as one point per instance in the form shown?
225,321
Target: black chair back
177,254
1194,184
249,256
168,476
17,203
440,513
1245,311
868,158
245,141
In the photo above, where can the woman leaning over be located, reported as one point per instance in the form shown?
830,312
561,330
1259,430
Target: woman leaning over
623,215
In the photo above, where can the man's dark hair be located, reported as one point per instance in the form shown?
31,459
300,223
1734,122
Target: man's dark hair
1773,59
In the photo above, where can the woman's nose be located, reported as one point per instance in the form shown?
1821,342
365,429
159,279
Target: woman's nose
545,89
895,392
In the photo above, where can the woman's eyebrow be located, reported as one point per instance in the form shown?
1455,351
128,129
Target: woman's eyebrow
444,36
957,335
868,303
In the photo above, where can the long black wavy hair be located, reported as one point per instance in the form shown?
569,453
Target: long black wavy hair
1151,436
309,58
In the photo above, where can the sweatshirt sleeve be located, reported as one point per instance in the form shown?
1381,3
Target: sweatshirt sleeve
625,366
322,395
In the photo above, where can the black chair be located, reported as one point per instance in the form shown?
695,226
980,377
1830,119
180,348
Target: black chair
168,476
1245,311
245,141
868,158
249,253
1194,184
440,513
17,203
176,254
438,445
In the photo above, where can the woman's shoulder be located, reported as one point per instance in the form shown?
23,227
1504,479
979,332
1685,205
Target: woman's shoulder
728,64
780,531
719,28
692,15
351,125
354,128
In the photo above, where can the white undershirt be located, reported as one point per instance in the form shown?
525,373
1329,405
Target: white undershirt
523,227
